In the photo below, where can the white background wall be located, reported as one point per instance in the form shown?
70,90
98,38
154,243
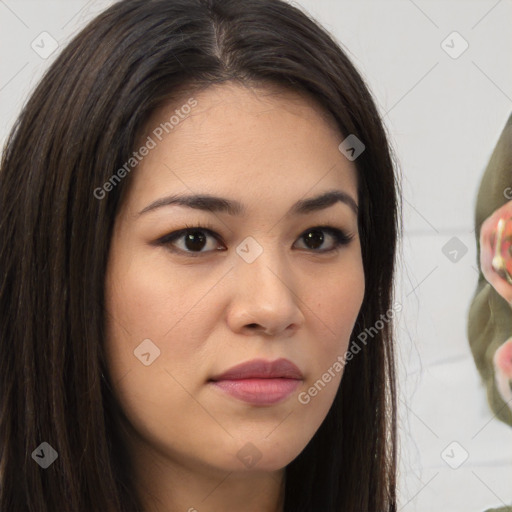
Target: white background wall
445,116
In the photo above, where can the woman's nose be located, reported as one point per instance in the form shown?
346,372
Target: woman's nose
265,296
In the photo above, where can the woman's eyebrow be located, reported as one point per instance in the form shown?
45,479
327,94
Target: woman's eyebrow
233,207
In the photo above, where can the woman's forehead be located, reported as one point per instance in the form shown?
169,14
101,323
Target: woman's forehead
235,137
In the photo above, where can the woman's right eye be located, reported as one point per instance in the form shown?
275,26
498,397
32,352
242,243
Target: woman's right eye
191,241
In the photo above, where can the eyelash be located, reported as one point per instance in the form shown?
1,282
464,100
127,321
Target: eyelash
341,238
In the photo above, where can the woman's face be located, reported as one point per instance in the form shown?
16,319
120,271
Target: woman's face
266,282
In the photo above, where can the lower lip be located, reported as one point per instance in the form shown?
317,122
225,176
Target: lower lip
259,391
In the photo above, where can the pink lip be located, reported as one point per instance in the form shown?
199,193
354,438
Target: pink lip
260,382
261,369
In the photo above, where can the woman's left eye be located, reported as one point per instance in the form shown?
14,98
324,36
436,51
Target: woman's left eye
195,240
315,237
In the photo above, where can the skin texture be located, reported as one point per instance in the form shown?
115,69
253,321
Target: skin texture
267,149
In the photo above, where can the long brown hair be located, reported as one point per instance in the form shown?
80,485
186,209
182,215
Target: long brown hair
78,127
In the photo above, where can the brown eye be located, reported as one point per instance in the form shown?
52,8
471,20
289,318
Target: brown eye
314,238
191,241
195,241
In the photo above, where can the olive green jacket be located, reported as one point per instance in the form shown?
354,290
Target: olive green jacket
489,317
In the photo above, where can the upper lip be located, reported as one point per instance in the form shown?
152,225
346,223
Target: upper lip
261,369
